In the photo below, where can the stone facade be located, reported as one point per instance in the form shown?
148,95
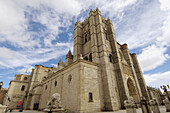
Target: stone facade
17,90
99,76
155,94
35,86
3,92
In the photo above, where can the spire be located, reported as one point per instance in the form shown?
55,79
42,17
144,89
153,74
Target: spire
97,10
91,10
69,55
60,62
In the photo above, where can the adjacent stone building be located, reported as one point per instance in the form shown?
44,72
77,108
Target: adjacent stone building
99,76
17,90
36,87
3,92
155,93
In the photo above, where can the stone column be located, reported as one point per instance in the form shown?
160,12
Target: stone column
144,105
167,104
154,106
130,105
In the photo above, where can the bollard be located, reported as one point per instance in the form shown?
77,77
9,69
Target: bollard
130,105
144,105
154,106
167,104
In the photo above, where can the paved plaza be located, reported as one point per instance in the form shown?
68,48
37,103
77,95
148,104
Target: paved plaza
162,109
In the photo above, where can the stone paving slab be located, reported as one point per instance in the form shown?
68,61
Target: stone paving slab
162,109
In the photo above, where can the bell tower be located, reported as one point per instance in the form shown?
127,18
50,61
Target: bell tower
95,40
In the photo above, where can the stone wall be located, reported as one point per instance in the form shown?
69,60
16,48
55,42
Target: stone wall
15,93
74,83
2,95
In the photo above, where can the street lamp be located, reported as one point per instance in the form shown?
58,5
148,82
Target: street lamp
165,89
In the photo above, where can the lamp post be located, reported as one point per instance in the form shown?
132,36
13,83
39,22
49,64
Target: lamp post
165,89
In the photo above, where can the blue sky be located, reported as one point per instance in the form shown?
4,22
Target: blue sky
41,32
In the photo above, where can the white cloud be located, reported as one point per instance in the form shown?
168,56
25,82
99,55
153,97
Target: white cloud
164,40
139,28
27,69
13,59
55,65
157,79
37,46
152,57
165,5
155,55
11,78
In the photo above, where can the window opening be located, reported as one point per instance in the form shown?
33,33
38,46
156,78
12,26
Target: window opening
86,58
110,58
106,36
85,38
90,97
22,88
55,83
25,78
90,57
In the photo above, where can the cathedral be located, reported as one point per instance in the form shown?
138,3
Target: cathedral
99,76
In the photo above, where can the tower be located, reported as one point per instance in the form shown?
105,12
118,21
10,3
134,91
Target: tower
95,40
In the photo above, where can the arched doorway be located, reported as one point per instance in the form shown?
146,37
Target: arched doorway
132,90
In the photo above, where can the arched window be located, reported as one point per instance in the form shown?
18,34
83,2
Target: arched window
106,36
46,87
22,88
89,36
110,58
90,57
85,38
86,58
55,83
69,78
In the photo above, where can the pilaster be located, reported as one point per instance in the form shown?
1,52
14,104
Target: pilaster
78,40
140,78
117,61
94,48
128,58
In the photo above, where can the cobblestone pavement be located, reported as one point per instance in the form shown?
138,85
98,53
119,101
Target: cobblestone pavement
162,109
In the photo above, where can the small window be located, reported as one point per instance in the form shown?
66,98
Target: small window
85,38
46,87
89,36
22,88
55,83
25,78
90,57
106,36
86,58
90,97
69,78
110,58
